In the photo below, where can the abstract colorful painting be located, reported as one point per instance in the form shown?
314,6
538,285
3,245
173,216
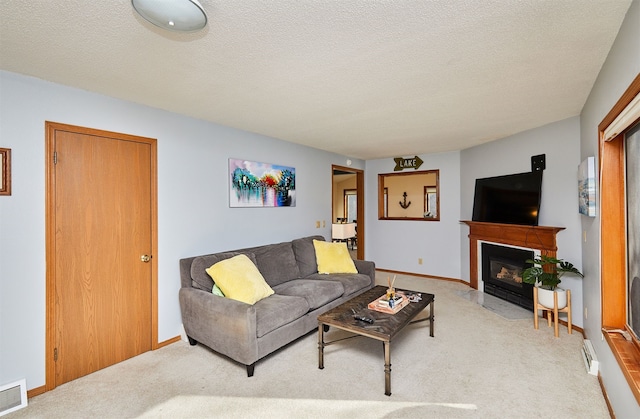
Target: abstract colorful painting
587,187
255,184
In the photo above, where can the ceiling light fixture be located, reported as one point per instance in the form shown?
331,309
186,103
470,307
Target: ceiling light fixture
173,15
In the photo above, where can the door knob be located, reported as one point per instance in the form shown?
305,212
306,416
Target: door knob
145,258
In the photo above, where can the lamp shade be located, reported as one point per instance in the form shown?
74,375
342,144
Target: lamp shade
173,15
343,231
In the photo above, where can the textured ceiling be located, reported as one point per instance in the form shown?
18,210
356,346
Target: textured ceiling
363,78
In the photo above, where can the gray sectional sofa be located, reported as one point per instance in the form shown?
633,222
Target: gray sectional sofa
247,333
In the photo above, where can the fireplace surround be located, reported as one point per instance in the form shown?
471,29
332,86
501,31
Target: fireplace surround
541,238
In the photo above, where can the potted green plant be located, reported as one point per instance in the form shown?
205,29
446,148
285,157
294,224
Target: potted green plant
546,274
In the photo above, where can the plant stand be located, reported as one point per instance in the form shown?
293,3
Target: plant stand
555,310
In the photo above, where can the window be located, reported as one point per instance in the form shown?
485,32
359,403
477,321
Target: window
632,157
431,201
351,205
385,206
616,265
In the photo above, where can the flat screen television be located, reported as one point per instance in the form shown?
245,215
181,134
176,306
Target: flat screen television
509,199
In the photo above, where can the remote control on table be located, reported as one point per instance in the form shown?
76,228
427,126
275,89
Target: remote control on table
363,318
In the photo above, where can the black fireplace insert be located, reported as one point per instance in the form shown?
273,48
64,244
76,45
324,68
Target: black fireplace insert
502,268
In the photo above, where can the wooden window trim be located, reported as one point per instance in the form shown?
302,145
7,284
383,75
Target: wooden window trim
613,265
383,197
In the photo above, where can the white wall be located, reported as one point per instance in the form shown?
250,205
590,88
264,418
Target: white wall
621,67
397,244
193,211
559,141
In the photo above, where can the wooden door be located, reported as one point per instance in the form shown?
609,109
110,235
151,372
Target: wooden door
100,284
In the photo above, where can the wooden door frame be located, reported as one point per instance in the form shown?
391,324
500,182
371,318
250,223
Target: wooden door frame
360,201
51,326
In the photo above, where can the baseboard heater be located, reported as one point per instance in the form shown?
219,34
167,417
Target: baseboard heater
589,357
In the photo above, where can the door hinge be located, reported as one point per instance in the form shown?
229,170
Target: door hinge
55,157
55,354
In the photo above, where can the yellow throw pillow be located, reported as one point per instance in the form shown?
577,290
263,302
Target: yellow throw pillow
333,258
239,279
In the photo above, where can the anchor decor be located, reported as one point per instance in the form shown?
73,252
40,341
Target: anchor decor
404,204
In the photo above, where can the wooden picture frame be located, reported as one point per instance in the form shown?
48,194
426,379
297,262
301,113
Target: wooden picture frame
5,171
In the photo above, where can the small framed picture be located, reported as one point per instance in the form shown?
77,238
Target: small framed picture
587,187
5,171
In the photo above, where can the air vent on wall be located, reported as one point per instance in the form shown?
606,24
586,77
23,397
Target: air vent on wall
589,357
13,397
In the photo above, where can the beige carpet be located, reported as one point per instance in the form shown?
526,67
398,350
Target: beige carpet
478,365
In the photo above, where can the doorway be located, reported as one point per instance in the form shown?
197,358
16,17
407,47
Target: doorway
101,228
347,193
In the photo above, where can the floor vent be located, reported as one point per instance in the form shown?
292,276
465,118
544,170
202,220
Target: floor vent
589,357
13,397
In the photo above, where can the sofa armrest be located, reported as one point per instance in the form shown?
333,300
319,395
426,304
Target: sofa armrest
367,268
224,325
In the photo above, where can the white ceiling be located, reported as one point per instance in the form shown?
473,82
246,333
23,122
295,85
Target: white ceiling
364,78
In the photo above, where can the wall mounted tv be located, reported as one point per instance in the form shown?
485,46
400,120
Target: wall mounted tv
509,199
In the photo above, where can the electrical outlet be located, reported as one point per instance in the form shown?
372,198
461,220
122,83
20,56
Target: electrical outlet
419,261
585,313
324,223
317,224
584,235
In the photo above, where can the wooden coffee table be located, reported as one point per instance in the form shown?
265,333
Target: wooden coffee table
385,326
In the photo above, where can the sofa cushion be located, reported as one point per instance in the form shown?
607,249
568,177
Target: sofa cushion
351,283
239,279
305,254
276,262
277,310
333,258
199,277
316,292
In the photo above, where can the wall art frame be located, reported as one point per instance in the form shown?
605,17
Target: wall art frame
256,184
587,187
5,171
